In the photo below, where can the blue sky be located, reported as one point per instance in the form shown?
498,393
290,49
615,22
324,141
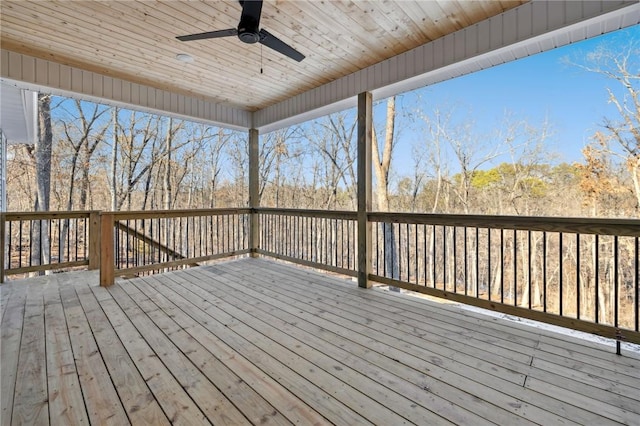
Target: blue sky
534,88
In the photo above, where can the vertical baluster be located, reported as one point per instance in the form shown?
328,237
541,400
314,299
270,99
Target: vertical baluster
75,239
477,262
454,235
126,243
515,267
544,273
444,257
501,265
577,276
69,242
616,279
466,262
424,236
433,256
10,239
529,266
408,237
415,226
20,244
86,237
560,272
60,240
49,227
637,282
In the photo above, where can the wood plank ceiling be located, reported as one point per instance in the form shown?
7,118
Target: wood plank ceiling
135,41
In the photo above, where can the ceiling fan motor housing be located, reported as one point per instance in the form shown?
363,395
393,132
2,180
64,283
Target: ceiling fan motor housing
248,31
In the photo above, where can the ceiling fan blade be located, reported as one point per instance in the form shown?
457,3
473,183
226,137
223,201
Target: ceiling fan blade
211,34
251,11
278,45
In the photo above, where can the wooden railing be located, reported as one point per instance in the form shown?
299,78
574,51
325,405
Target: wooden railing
318,238
154,241
578,273
48,241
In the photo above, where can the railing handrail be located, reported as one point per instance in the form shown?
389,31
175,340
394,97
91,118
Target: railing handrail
584,225
147,214
333,214
72,214
580,225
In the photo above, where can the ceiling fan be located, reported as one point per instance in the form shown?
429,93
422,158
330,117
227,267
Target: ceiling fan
249,31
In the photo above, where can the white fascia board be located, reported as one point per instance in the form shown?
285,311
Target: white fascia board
18,114
40,75
528,29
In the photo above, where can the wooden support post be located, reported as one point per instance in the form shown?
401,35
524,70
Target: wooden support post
254,194
107,260
94,240
364,188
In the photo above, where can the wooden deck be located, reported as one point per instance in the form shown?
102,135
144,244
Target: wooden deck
253,341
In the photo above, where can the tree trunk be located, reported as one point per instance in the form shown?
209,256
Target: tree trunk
40,243
167,170
381,167
114,162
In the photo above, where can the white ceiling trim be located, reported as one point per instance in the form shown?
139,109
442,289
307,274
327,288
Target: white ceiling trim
523,31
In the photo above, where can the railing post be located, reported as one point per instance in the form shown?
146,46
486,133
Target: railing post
364,188
107,266
254,195
94,240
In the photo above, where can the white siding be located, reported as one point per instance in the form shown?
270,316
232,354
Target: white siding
42,75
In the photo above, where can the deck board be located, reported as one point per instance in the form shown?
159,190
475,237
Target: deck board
100,396
66,404
31,402
255,341
11,334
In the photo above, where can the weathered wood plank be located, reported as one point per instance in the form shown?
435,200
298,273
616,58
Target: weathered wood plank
207,397
604,411
31,397
5,294
236,389
100,396
347,355
511,331
11,334
237,342
137,399
267,275
403,400
66,403
168,392
428,368
421,344
282,398
283,381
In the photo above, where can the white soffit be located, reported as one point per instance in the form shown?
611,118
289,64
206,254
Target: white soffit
529,29
18,114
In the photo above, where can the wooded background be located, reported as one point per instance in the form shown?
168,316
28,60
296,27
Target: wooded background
92,156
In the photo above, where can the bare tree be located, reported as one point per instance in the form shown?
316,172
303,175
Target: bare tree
621,65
